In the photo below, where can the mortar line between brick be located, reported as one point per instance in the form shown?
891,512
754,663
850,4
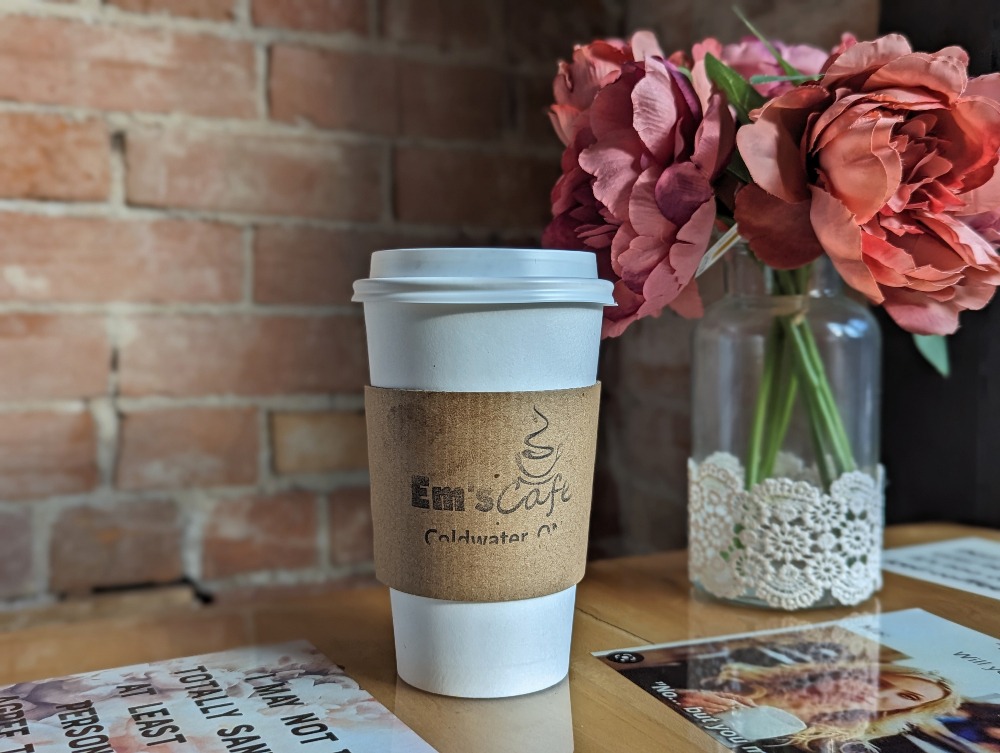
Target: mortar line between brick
262,68
194,507
237,308
342,402
348,402
323,531
82,210
274,129
374,19
389,186
108,498
242,16
43,521
264,462
106,423
116,197
247,241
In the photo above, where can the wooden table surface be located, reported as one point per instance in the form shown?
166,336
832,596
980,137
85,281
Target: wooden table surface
621,603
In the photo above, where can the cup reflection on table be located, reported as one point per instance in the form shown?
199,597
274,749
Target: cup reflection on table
541,722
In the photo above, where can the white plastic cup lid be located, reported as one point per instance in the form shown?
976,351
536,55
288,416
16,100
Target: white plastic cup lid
483,276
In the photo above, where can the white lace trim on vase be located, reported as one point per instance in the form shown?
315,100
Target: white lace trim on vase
785,542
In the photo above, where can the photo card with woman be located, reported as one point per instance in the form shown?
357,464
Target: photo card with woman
901,681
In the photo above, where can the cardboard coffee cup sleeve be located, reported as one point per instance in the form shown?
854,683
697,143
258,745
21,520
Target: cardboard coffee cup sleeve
481,496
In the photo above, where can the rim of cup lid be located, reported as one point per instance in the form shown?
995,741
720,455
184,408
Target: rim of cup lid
484,275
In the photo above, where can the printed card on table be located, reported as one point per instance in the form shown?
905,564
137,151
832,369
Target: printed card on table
903,681
265,699
970,564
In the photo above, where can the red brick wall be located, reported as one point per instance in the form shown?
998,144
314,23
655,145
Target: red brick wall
187,190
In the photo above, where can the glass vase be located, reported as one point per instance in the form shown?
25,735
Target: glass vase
785,490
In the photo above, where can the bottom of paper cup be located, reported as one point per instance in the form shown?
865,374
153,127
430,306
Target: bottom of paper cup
483,650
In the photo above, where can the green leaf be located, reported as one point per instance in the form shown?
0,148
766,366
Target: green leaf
785,65
935,349
769,79
739,93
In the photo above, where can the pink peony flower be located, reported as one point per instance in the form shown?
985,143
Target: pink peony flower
642,151
890,166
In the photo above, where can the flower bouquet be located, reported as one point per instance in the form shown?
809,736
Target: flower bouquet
870,164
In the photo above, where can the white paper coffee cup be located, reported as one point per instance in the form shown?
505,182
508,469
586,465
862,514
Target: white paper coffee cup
483,320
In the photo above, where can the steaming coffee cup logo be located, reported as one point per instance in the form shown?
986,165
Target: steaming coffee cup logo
539,484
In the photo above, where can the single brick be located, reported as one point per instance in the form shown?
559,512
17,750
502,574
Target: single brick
263,174
53,157
311,266
43,454
446,24
313,15
318,442
131,543
211,10
463,187
16,559
243,355
66,62
53,356
182,447
333,89
451,101
82,259
251,534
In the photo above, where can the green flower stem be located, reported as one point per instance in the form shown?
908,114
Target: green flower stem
762,408
784,404
818,414
842,443
793,366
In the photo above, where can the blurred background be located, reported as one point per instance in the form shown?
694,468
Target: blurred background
188,189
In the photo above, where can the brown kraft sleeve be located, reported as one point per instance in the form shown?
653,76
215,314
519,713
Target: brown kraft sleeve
481,496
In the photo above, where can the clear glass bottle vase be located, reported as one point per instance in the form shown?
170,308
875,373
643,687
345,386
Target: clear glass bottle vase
785,490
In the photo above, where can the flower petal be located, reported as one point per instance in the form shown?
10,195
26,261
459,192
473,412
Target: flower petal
861,167
680,190
944,76
689,304
614,163
611,111
987,86
561,233
840,237
919,314
644,212
780,234
655,111
771,146
618,318
715,139
644,45
863,58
